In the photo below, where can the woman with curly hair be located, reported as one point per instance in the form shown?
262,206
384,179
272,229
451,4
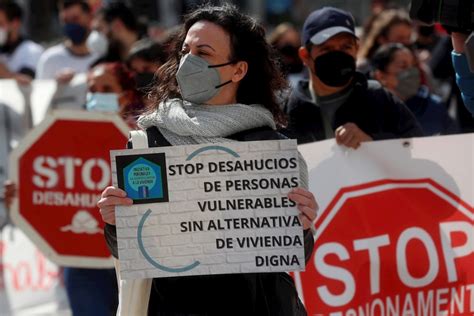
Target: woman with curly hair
219,85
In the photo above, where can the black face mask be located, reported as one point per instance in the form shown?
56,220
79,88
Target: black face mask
144,80
335,69
291,60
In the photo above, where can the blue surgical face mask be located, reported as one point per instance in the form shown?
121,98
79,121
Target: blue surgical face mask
103,102
75,32
198,81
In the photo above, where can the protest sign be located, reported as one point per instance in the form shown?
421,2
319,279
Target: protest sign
40,99
30,284
395,234
208,209
61,168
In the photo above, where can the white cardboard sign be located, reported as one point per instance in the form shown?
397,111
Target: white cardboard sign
208,209
393,218
30,283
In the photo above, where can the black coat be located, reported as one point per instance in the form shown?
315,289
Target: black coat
263,294
373,109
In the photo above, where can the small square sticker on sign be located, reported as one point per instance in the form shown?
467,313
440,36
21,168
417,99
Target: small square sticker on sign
143,177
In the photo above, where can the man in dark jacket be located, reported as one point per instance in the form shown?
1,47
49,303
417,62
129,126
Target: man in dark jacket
337,101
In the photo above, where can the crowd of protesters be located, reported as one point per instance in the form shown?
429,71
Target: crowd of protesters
392,79
113,34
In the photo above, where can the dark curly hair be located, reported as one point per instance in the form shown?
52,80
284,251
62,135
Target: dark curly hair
247,38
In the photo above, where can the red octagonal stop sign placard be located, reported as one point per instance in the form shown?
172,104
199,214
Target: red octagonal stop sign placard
60,169
392,247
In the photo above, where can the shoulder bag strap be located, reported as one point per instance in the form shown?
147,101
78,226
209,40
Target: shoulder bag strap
134,295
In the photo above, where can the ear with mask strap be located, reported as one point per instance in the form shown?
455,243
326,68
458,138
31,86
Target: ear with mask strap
223,84
222,65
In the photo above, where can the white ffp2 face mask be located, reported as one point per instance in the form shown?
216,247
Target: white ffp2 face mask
97,43
3,36
198,81
103,102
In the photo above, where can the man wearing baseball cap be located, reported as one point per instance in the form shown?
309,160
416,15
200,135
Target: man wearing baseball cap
337,101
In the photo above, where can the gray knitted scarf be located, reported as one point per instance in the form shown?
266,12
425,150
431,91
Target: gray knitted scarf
183,123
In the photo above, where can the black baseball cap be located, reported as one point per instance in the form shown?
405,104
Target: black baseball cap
325,23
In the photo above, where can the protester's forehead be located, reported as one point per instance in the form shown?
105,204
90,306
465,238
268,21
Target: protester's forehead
73,11
99,23
3,18
139,64
290,36
98,71
403,57
104,80
208,33
400,32
102,73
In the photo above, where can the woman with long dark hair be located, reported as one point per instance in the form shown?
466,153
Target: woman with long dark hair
219,85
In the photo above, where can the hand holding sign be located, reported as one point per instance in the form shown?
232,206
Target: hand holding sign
111,197
306,204
351,135
9,192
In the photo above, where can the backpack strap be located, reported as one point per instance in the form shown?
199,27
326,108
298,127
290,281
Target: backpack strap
134,295
139,139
